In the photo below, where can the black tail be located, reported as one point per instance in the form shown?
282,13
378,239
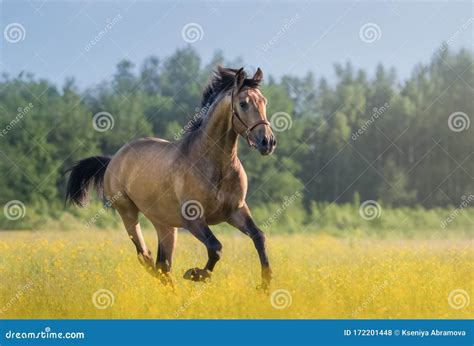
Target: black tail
83,173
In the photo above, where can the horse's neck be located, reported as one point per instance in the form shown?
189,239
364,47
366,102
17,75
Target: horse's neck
218,139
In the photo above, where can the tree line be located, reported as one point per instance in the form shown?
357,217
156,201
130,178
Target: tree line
402,143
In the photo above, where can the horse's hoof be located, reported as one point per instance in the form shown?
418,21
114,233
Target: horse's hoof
197,274
265,288
146,260
165,278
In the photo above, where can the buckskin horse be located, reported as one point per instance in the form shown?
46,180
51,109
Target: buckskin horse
191,183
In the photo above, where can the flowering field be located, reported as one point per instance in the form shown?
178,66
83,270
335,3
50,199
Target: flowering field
95,274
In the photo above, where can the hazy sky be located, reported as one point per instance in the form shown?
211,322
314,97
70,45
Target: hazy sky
282,37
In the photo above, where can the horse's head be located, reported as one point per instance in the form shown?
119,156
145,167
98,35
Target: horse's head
249,116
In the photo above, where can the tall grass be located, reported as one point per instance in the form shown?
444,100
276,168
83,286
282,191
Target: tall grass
61,274
342,220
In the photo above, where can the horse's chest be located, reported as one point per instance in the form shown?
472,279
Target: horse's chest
229,195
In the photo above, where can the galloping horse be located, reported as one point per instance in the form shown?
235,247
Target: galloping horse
192,183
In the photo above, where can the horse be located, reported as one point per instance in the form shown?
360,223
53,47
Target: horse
190,183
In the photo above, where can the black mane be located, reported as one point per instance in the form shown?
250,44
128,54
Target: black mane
221,81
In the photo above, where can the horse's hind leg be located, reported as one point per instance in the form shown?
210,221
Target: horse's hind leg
167,237
129,213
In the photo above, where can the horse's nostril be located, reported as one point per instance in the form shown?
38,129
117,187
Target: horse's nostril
264,141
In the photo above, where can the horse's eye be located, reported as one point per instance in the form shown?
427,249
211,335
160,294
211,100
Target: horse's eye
243,105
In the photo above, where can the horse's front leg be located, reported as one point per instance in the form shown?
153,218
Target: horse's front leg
242,220
203,233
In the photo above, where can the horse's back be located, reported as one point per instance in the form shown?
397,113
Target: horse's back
133,154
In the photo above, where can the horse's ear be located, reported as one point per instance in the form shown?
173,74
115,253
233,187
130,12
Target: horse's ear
239,78
258,76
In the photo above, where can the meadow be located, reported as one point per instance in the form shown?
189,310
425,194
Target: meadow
367,202
92,273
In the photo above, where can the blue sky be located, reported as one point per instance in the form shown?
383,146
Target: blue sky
299,36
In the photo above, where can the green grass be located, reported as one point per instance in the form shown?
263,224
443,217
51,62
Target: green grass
338,220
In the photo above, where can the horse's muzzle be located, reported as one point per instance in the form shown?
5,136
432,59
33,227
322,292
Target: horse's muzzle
266,145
